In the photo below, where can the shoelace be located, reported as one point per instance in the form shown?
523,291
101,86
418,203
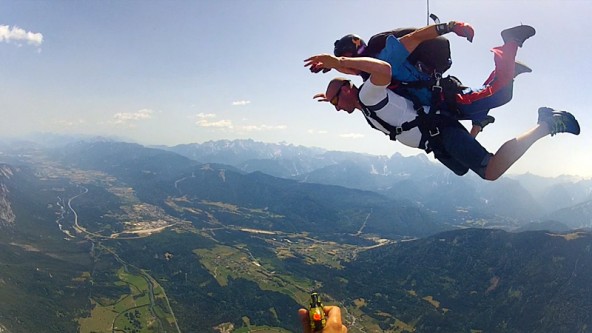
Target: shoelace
559,126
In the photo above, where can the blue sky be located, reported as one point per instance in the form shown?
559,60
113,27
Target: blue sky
173,72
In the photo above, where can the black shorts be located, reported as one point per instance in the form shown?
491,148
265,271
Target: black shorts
462,152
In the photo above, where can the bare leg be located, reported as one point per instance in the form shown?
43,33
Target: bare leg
475,130
512,150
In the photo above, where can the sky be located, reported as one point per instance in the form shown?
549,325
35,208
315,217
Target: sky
175,72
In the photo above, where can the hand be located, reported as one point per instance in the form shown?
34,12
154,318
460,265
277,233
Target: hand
320,97
463,30
321,61
334,324
317,69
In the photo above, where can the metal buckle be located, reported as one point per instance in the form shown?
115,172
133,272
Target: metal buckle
436,85
398,130
433,134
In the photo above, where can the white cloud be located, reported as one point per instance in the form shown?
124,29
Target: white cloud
9,34
205,115
313,131
206,120
215,124
241,103
69,123
259,128
351,136
125,117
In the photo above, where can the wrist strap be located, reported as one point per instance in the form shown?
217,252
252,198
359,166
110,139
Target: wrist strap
444,28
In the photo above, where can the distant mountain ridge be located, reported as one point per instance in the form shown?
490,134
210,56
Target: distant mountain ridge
523,198
290,160
156,175
519,200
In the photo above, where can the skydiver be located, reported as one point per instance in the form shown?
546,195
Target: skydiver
451,143
472,104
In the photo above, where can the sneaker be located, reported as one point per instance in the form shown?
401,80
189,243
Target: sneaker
520,68
559,121
518,34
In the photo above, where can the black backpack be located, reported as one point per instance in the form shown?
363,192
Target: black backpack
430,56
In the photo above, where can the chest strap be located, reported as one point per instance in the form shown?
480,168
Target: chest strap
428,124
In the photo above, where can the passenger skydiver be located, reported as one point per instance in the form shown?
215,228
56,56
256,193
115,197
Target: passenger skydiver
451,143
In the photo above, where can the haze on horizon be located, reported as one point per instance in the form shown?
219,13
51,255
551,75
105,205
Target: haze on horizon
169,73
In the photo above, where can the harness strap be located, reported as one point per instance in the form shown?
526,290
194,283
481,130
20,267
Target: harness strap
424,122
429,124
370,113
444,91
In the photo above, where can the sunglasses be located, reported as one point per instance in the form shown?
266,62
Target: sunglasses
335,98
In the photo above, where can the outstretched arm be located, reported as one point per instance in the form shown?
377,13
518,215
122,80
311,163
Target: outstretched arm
412,40
380,71
344,70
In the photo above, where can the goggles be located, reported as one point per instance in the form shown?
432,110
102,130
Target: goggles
335,98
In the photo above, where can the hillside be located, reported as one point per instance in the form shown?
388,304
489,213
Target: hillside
485,280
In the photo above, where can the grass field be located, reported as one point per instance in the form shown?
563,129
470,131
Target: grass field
140,311
224,261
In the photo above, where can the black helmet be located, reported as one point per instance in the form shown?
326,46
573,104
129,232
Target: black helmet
349,44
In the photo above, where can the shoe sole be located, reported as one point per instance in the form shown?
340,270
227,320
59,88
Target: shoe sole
508,34
522,68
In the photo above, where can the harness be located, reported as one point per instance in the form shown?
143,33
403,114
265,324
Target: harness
429,124
444,91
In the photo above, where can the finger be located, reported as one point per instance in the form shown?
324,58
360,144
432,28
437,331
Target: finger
471,33
312,59
309,61
334,323
321,97
316,68
304,320
333,315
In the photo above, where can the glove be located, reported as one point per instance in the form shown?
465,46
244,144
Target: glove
317,69
462,30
